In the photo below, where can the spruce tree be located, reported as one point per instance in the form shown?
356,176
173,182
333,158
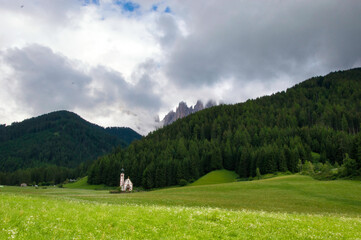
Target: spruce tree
258,174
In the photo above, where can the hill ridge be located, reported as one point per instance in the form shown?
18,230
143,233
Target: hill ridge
60,138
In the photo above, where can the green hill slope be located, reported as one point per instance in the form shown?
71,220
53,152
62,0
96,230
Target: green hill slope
83,184
61,138
125,134
321,115
216,177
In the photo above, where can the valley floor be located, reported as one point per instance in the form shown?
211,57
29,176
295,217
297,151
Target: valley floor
289,207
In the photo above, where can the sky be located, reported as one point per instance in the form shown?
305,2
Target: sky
126,63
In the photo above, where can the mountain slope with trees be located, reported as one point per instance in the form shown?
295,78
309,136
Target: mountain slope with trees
125,134
268,134
56,142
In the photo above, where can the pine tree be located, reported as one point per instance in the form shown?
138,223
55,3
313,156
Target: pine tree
344,123
244,163
282,166
258,174
216,156
181,149
227,156
160,176
300,166
350,166
194,159
148,177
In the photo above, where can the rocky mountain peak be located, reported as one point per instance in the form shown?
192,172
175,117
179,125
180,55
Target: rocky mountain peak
183,110
199,106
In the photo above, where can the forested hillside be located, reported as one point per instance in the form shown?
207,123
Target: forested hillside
320,116
54,144
125,134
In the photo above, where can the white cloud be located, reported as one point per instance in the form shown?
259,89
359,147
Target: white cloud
43,81
82,55
121,68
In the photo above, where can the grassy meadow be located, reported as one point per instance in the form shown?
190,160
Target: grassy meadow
83,184
216,177
288,207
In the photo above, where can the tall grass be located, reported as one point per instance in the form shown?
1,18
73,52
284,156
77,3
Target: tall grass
36,217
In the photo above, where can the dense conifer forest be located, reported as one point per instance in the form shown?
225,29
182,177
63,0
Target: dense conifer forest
55,146
316,121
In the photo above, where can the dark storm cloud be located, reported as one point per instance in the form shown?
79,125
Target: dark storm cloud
113,86
263,40
45,81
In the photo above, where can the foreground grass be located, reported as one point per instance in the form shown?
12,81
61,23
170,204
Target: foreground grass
39,217
288,207
216,177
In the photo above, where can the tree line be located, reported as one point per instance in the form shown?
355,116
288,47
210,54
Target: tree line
45,175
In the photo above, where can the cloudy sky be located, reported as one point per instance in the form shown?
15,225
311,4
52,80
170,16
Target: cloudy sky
123,63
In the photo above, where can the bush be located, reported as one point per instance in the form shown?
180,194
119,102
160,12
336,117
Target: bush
349,166
183,182
307,168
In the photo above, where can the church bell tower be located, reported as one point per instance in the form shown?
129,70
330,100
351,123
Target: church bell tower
121,184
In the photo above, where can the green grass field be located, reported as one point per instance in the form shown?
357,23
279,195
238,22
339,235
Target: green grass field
216,177
287,207
83,184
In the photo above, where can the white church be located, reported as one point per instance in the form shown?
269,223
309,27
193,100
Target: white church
127,185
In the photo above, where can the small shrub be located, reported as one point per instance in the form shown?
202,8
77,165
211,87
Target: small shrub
183,182
307,168
349,166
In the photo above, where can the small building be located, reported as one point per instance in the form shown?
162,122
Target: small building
127,185
23,185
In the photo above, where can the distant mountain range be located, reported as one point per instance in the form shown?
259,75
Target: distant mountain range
183,110
59,138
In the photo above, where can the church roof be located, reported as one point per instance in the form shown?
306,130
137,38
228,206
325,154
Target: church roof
127,181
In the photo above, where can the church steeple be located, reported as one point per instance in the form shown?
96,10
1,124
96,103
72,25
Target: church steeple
121,183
